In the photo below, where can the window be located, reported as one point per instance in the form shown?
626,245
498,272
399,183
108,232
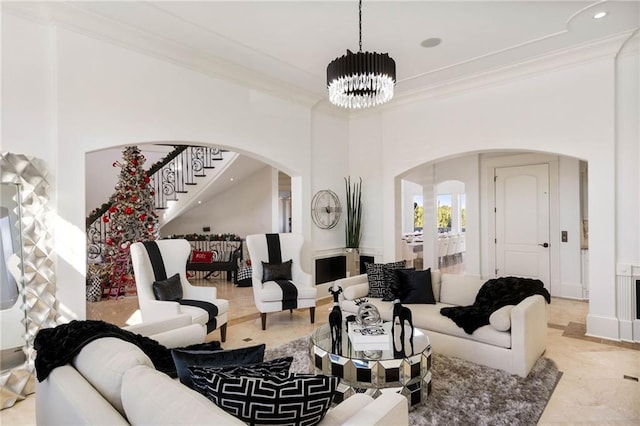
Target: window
418,213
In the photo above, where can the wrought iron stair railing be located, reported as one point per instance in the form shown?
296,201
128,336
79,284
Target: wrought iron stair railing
169,177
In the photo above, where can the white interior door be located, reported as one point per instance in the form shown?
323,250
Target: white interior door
522,221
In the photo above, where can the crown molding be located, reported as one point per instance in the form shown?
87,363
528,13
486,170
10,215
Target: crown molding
607,47
71,18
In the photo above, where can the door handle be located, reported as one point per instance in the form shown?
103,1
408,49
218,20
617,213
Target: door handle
545,245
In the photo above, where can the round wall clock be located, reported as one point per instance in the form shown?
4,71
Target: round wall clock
325,209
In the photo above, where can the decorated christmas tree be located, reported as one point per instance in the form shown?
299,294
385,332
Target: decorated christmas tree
130,218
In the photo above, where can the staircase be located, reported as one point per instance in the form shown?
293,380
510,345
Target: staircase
177,181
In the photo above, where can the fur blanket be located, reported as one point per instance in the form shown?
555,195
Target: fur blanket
493,295
59,345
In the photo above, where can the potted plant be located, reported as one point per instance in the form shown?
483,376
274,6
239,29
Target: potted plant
353,230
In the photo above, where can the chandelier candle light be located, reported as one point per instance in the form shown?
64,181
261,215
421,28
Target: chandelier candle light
363,79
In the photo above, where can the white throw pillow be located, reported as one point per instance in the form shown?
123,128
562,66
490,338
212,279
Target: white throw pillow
501,318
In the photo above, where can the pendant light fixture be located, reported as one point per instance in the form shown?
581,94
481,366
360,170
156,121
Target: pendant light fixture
363,79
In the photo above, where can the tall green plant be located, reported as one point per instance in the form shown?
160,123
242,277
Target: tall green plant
353,232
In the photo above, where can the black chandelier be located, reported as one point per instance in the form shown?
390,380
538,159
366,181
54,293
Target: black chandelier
363,79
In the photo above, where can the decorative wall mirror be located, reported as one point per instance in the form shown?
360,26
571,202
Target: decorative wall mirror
26,270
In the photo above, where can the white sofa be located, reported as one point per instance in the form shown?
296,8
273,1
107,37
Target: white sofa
112,382
514,350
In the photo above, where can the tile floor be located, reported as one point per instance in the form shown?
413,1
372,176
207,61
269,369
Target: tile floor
598,386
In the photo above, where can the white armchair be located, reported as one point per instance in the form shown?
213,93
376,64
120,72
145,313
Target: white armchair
174,255
275,296
174,332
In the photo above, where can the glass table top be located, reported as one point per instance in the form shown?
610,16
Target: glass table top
321,338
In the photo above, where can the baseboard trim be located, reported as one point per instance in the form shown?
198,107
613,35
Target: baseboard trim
603,327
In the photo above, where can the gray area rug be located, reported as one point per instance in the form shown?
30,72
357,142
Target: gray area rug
464,393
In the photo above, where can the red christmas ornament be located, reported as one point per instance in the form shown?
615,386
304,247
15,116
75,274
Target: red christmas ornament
109,241
147,179
152,193
142,217
132,173
134,198
128,210
113,209
134,162
105,219
143,186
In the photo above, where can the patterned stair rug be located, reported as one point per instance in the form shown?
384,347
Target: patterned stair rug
464,393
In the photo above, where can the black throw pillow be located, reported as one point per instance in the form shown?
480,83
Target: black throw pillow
185,358
276,271
277,366
392,281
169,289
416,286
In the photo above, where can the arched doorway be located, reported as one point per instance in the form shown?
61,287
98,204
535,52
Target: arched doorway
249,196
568,244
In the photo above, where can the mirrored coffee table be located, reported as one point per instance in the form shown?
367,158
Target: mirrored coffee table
373,373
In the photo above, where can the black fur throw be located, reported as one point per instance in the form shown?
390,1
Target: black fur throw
57,346
493,295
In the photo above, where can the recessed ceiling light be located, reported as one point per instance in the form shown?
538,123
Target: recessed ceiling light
431,42
600,15
199,202
231,179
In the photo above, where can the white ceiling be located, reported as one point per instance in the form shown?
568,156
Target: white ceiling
291,42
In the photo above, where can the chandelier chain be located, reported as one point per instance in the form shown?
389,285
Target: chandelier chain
360,24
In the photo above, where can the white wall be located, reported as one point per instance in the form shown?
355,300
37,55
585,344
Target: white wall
569,220
367,159
628,154
28,90
330,138
568,111
102,95
245,209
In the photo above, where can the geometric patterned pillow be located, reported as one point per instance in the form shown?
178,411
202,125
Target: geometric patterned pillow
297,399
378,286
267,368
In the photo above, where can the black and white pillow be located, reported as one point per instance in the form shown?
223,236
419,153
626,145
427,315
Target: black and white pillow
378,286
278,366
275,400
